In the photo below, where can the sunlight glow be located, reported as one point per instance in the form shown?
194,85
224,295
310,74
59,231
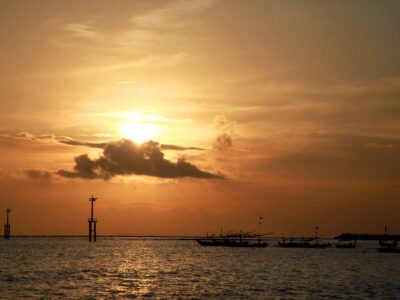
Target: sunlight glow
138,132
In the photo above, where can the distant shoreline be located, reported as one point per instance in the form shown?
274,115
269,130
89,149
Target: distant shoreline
367,236
112,236
139,237
343,237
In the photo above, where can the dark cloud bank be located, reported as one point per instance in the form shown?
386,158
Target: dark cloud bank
127,158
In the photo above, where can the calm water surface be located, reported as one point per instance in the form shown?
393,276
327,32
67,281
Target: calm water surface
71,268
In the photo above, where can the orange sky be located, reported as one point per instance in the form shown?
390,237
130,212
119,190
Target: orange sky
285,109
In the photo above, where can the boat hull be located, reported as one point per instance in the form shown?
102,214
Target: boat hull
210,243
302,245
230,243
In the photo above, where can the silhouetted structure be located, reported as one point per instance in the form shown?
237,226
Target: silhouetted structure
367,237
235,239
242,239
92,221
387,245
7,226
304,242
350,245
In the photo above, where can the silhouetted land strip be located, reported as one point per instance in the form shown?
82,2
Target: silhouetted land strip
130,237
134,237
367,237
342,237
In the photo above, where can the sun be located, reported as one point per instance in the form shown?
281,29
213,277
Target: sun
138,132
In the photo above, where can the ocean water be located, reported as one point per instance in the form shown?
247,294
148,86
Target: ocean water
72,268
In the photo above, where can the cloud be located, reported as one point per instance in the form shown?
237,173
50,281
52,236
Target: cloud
84,168
224,140
81,30
25,138
72,142
379,145
179,148
39,174
224,124
171,14
127,158
50,138
23,135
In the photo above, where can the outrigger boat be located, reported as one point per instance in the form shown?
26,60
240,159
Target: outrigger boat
387,246
241,239
303,242
350,245
238,239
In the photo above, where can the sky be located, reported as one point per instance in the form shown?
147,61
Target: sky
188,116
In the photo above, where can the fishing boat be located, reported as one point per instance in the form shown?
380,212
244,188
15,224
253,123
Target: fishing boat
241,239
303,242
210,242
350,245
236,239
388,246
294,243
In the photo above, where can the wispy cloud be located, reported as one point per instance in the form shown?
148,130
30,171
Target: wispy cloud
65,140
73,142
142,28
82,30
39,174
379,145
171,14
140,116
226,127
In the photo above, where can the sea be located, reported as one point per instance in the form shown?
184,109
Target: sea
132,268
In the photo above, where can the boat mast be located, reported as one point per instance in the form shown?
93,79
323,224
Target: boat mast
259,225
